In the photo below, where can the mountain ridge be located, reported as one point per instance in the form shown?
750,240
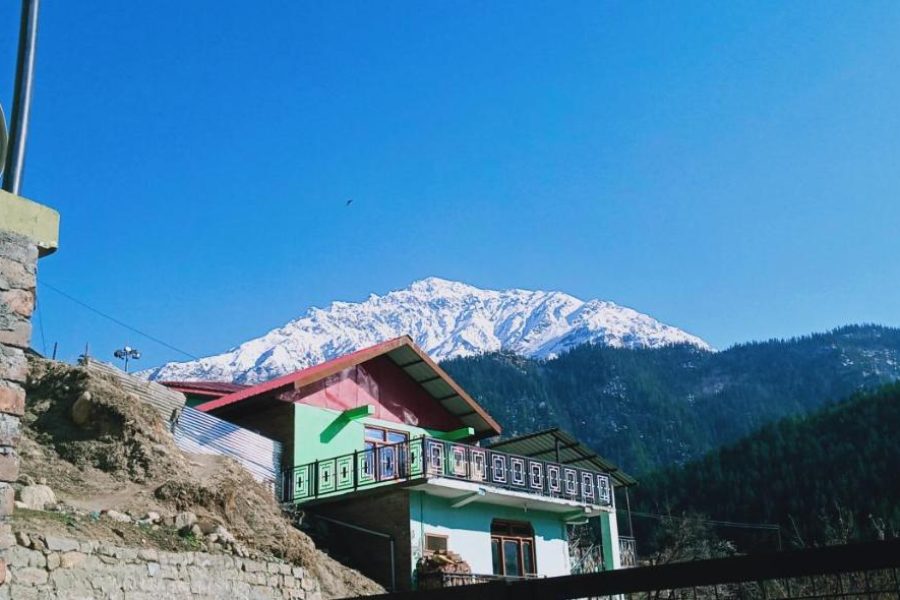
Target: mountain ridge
448,319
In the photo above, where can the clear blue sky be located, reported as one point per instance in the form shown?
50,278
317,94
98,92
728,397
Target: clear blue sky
730,168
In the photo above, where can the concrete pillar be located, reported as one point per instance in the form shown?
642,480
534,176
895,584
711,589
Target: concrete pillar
27,230
609,532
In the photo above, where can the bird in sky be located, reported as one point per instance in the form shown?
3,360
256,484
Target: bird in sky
349,202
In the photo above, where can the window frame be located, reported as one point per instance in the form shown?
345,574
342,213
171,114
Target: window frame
373,462
437,536
517,532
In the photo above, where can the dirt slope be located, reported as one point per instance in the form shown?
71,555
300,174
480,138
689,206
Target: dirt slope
100,448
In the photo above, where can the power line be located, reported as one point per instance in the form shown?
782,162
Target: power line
117,321
40,319
766,526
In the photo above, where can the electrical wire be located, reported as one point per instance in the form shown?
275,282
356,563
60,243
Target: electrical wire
766,526
40,319
117,321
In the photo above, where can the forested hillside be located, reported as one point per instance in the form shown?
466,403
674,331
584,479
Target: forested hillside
804,473
649,408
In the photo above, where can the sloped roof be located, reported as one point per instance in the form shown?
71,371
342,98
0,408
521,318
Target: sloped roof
204,388
543,444
406,355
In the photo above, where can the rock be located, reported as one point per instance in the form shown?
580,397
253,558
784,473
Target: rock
67,560
59,544
224,535
152,517
20,504
207,526
195,530
185,520
118,516
30,576
212,538
53,561
26,479
23,539
81,410
37,497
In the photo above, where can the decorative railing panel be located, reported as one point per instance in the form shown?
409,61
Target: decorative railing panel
627,551
430,457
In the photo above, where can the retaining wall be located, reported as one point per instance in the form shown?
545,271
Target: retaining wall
52,568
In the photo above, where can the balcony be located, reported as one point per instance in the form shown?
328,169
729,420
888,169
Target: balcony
426,460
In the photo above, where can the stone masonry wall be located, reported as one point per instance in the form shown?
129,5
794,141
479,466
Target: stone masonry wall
18,266
53,568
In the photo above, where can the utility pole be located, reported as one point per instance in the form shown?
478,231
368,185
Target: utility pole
21,108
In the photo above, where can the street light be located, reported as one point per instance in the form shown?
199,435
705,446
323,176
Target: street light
127,353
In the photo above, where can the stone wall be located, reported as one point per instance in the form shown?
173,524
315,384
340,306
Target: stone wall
47,567
385,511
18,265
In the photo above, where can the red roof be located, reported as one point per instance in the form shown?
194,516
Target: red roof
205,388
484,424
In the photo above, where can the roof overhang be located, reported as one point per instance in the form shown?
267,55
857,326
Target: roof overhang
404,353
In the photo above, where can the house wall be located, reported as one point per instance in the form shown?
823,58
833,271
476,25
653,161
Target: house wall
379,383
320,434
468,531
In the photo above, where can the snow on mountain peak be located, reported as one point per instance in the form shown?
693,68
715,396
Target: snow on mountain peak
448,319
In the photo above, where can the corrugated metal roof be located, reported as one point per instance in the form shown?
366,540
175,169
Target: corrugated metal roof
543,445
201,433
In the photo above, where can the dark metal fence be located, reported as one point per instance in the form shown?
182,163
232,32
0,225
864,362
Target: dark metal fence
869,571
436,580
430,457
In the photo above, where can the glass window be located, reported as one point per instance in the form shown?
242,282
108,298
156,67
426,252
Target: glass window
511,558
395,437
528,556
512,548
435,543
375,434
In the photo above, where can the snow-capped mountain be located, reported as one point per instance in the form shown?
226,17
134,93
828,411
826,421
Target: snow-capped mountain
446,318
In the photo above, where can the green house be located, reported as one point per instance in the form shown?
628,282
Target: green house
384,449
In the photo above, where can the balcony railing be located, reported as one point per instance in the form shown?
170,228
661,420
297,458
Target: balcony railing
437,580
627,551
425,457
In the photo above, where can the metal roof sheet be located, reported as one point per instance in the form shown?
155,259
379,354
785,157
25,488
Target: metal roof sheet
543,445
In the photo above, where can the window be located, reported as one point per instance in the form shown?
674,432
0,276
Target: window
384,458
512,548
435,543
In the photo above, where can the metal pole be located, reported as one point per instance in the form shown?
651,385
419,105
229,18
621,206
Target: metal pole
628,507
21,108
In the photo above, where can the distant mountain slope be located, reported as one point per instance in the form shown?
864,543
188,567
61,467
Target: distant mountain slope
648,408
448,319
797,470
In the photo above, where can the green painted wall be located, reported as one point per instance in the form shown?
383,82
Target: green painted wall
609,535
468,531
319,434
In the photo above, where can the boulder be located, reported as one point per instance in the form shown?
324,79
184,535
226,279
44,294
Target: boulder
118,516
185,520
81,410
37,497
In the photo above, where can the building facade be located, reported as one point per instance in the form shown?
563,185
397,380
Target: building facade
385,450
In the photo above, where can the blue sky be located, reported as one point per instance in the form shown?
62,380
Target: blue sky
730,168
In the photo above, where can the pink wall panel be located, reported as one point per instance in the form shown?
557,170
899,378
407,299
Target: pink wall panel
384,385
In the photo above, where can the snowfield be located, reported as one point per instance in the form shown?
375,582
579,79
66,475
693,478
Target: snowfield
447,318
